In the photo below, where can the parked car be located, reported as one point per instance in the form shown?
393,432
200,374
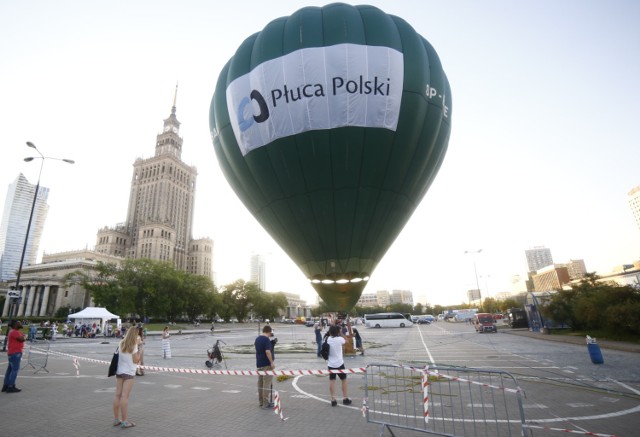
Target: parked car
309,323
424,320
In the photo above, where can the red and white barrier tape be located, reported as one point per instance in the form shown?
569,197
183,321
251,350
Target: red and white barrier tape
458,379
225,372
425,393
364,408
277,405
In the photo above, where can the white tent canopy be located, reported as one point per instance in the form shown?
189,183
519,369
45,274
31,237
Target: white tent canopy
95,313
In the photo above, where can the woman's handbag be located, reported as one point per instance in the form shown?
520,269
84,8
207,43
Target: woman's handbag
113,367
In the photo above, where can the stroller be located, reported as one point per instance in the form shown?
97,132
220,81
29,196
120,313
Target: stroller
215,355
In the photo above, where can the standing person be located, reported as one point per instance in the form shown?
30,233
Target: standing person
335,362
264,361
318,330
141,338
356,334
166,343
15,344
130,350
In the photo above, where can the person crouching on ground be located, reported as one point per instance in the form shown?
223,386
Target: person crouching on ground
335,362
130,350
264,361
359,346
15,345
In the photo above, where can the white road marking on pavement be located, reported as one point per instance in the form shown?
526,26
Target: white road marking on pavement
202,388
431,360
540,406
173,386
231,391
611,400
627,387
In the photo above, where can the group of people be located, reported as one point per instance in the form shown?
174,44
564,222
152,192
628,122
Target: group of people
131,356
337,336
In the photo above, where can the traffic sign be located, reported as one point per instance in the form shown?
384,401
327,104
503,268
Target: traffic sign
13,293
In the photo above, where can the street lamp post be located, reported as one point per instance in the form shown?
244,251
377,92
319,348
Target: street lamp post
475,269
12,299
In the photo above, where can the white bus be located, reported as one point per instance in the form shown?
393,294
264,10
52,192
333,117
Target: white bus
387,320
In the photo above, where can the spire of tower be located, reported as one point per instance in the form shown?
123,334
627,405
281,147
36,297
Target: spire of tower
175,98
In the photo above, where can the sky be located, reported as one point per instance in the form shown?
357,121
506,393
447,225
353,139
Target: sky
543,151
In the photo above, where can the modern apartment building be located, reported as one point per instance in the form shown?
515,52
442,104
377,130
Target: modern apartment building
576,268
538,257
258,271
634,203
13,229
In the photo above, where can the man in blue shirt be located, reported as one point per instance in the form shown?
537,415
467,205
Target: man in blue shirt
264,361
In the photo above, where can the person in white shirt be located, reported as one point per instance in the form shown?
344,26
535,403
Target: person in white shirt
130,350
335,362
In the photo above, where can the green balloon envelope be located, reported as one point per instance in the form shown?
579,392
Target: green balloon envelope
330,125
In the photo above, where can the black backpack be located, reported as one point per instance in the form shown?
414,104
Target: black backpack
324,352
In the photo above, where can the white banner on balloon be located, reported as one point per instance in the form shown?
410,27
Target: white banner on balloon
316,88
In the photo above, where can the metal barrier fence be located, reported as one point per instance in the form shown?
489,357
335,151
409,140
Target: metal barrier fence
447,401
39,357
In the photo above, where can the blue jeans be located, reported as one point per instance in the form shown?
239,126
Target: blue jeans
319,341
12,369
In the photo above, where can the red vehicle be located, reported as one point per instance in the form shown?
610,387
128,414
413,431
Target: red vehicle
483,322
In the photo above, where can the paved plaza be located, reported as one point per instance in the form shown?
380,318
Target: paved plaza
74,397
69,400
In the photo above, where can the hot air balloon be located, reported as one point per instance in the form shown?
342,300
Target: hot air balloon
330,125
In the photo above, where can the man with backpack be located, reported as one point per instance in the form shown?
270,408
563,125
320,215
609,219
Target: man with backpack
336,362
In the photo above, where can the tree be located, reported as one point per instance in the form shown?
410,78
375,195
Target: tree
595,305
195,294
237,298
268,305
400,308
510,303
145,287
490,305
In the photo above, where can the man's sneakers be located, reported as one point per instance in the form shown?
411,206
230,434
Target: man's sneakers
268,406
13,389
345,401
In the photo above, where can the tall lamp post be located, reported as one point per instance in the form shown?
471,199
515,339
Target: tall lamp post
475,269
13,297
